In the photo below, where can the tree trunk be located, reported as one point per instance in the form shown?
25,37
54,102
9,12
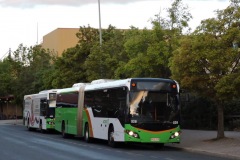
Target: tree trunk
220,132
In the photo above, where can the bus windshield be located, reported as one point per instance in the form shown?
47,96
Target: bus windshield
154,106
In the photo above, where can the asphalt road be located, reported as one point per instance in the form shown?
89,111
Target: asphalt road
16,143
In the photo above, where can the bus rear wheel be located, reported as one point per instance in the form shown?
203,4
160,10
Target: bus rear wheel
64,134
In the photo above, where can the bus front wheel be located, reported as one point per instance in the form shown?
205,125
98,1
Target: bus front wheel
111,141
40,127
86,134
28,126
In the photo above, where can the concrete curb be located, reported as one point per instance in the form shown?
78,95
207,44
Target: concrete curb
12,121
224,155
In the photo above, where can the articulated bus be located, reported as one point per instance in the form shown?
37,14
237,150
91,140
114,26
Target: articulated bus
134,110
39,110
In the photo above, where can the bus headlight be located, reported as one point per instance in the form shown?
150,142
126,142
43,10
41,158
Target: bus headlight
132,134
174,135
51,123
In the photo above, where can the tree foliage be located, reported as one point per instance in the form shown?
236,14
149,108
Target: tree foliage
104,59
22,72
208,63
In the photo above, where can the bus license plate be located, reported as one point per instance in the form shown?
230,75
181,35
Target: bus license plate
155,139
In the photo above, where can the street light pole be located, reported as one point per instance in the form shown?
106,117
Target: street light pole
7,108
100,37
100,28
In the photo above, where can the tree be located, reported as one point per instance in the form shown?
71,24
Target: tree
6,80
29,65
133,63
149,50
177,17
147,54
104,60
207,62
69,68
22,72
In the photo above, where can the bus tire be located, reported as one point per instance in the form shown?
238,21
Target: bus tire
40,127
86,134
28,126
64,134
111,141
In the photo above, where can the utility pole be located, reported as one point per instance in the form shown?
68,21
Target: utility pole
37,33
100,37
100,28
9,52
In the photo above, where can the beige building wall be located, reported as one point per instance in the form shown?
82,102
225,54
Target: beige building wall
60,39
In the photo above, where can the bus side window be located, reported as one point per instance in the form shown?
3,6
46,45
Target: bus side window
43,108
89,102
119,102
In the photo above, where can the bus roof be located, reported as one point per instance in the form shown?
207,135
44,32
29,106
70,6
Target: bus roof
79,84
41,94
123,82
30,96
49,91
109,83
65,90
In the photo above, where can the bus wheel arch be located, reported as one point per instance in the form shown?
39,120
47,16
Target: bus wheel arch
111,141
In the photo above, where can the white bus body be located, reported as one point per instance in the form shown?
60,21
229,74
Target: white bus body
39,110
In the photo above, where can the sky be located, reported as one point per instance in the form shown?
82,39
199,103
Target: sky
27,21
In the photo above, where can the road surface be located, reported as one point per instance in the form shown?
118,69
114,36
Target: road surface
17,143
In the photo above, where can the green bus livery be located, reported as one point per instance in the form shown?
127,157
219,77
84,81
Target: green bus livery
134,110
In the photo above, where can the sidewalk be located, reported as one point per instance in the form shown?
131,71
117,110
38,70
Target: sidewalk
12,121
203,141
196,141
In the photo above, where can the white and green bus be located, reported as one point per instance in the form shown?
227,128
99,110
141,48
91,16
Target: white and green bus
39,110
134,110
